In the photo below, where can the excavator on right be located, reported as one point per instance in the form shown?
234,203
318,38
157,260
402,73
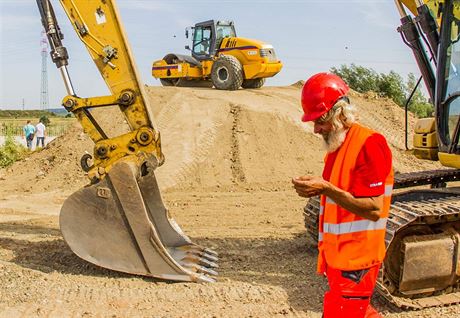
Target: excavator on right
422,265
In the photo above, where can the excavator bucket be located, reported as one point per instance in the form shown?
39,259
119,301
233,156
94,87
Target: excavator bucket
122,224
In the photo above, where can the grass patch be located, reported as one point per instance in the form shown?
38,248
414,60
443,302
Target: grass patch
11,152
57,126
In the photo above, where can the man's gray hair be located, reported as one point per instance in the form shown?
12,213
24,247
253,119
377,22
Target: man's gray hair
342,114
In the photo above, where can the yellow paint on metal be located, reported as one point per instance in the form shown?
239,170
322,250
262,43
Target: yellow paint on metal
449,160
178,70
97,23
133,146
425,125
412,5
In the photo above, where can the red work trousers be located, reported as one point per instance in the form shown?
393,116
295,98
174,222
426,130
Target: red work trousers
350,293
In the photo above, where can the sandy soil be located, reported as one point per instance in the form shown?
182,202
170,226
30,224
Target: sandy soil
229,160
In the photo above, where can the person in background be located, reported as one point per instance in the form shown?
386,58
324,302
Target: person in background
41,133
29,132
355,190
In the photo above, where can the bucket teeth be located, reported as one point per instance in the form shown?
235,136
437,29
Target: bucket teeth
210,252
202,254
199,249
194,258
210,258
200,269
203,261
207,279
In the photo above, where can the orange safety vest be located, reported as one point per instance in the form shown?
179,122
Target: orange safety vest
347,241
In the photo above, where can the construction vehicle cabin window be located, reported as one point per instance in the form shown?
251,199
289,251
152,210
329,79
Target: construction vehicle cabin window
223,31
202,40
453,76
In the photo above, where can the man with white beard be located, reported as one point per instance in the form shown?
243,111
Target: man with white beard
355,189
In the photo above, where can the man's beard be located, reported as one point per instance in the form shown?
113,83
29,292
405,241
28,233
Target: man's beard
334,139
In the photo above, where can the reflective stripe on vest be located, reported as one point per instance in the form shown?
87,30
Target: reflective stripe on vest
355,226
388,190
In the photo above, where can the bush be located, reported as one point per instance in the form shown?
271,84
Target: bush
418,104
390,85
422,110
11,152
45,120
359,78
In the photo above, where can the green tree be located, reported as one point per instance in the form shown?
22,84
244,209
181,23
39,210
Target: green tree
359,78
391,85
418,104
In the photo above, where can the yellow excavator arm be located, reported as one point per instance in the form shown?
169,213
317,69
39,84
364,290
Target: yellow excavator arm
97,24
119,221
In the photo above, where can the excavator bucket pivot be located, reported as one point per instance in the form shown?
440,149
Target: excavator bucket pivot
122,224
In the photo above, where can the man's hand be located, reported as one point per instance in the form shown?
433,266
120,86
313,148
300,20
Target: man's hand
310,186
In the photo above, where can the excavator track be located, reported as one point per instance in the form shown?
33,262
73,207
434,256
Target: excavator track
422,224
435,178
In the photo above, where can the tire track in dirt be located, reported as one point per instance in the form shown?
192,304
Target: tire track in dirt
393,136
178,172
236,166
198,155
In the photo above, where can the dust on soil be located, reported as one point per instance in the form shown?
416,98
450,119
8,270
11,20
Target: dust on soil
230,157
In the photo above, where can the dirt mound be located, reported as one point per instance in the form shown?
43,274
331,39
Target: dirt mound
256,137
55,167
298,84
210,138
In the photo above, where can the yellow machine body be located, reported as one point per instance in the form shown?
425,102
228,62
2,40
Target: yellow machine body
256,61
245,50
426,139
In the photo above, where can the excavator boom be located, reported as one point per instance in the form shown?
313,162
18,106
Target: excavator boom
119,221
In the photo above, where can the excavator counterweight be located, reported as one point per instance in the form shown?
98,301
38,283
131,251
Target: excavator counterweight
119,220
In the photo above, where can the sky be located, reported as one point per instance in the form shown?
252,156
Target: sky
308,36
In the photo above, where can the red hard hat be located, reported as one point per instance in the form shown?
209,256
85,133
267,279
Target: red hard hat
319,94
